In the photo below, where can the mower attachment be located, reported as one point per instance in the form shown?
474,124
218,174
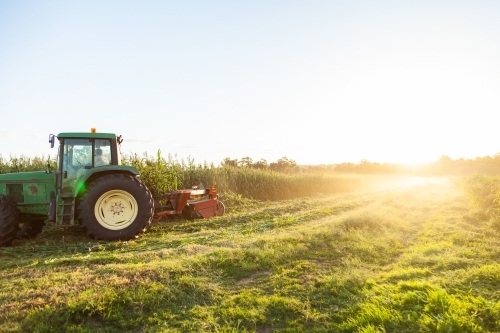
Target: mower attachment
193,203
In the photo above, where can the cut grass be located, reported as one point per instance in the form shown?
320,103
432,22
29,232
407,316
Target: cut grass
418,259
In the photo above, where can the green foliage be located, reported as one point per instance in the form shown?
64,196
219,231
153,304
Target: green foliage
397,260
24,164
159,174
163,175
484,191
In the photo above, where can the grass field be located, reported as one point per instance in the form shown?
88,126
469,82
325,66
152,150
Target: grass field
413,257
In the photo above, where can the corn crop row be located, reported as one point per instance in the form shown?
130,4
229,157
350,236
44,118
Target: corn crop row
24,164
485,192
163,174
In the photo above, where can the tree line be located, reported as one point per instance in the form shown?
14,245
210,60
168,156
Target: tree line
444,166
283,164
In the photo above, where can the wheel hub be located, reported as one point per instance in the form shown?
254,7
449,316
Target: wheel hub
116,208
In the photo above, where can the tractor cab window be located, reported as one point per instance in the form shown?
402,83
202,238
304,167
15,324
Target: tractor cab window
102,152
77,153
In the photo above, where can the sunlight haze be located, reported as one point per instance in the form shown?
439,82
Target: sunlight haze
320,82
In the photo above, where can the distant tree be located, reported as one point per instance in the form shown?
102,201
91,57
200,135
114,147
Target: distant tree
320,168
284,165
345,167
445,160
262,164
364,166
229,162
246,162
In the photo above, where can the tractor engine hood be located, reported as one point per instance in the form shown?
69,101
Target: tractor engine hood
27,177
28,188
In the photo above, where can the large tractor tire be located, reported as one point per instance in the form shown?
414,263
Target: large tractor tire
30,229
116,207
9,220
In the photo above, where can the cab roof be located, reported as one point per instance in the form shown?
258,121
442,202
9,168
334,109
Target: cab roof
87,135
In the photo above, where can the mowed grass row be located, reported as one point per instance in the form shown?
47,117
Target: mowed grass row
407,260
447,280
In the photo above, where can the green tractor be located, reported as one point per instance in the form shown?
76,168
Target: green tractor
89,187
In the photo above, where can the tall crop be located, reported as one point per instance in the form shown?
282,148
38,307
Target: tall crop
164,174
24,164
159,174
485,192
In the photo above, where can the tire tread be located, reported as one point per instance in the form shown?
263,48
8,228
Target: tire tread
9,220
116,181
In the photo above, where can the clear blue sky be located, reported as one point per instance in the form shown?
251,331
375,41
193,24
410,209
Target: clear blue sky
316,81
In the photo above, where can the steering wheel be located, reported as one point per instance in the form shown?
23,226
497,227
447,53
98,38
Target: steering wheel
76,167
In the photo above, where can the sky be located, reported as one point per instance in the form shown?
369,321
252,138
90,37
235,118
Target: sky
320,82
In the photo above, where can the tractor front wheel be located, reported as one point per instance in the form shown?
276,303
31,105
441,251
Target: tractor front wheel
116,207
9,220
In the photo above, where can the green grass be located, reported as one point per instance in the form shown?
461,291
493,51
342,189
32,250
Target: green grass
418,258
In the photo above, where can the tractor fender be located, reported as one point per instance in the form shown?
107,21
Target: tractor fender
99,172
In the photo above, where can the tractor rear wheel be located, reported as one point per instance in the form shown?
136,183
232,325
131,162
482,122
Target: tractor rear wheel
9,220
30,229
116,207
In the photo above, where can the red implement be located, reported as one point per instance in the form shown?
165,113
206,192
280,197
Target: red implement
194,203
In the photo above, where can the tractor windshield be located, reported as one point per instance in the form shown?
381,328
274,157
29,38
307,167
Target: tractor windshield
79,155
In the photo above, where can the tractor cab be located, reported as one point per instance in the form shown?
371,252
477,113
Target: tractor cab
80,152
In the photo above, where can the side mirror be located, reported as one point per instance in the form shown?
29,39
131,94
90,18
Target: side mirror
52,139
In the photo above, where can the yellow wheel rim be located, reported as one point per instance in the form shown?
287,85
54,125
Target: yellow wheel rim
116,210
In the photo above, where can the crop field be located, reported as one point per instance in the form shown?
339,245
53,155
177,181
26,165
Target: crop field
409,255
